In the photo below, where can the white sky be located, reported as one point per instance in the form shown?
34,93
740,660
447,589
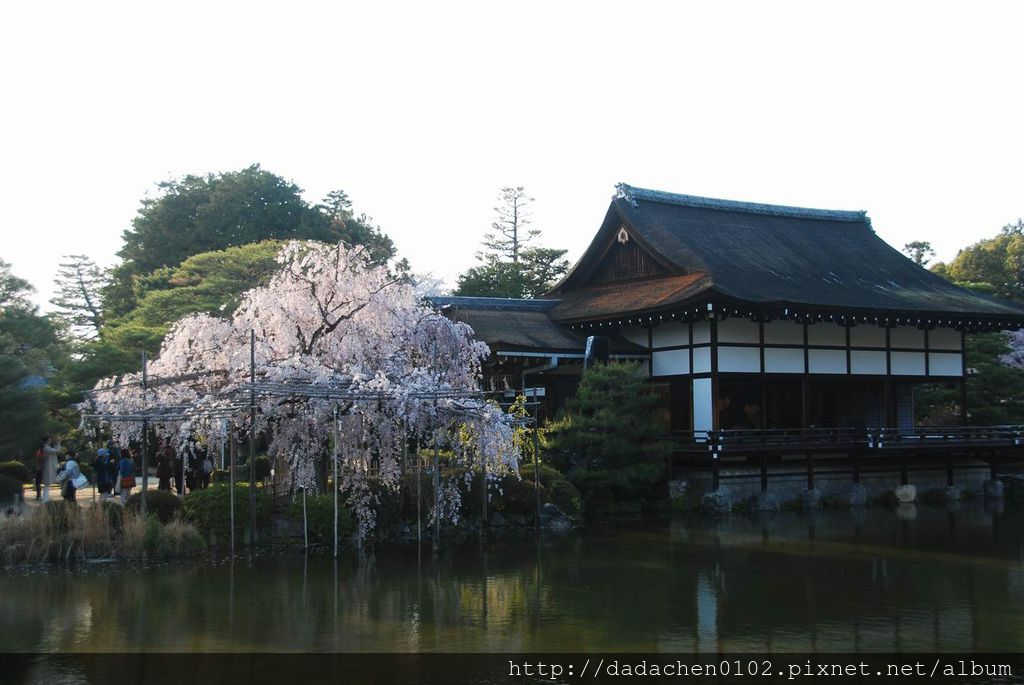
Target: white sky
421,111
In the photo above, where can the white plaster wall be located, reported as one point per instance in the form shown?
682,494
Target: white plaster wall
867,336
738,331
739,359
703,405
907,363
670,334
945,364
701,332
701,359
784,360
635,335
784,333
826,333
867,362
670,362
944,339
826,361
906,336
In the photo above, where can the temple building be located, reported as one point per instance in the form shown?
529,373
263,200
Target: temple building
747,316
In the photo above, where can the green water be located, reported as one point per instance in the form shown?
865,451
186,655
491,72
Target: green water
923,579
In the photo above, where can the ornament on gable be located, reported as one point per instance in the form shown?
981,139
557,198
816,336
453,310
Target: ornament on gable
623,236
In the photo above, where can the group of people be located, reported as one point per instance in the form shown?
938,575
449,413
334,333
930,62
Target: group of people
191,467
113,468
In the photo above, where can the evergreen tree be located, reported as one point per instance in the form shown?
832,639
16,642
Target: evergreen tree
79,298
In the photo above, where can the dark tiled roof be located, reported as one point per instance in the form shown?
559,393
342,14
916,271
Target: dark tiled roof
612,299
519,325
773,255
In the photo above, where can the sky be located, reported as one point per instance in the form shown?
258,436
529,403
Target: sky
422,111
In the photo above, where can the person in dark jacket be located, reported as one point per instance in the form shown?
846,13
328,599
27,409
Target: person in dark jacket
104,474
165,467
126,471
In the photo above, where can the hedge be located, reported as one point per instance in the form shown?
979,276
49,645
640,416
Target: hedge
161,503
16,470
210,510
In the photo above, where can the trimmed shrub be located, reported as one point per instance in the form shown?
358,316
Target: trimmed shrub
566,497
320,517
518,496
10,488
220,477
16,470
409,496
210,510
160,503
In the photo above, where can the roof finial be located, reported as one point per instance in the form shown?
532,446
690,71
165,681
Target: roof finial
625,192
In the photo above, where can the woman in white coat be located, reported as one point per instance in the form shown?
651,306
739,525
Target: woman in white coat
50,452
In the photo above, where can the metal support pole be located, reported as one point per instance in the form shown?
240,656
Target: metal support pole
437,488
305,522
764,472
419,492
231,488
536,464
483,489
145,441
252,437
810,470
334,483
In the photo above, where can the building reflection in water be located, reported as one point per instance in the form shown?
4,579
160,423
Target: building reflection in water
925,579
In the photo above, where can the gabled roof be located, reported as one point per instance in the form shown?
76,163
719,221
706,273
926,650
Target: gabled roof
764,255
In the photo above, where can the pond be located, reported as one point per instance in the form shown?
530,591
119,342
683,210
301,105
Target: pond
915,579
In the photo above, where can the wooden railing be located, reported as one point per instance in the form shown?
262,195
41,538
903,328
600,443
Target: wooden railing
824,439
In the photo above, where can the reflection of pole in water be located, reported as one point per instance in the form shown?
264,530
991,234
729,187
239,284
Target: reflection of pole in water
335,604
707,614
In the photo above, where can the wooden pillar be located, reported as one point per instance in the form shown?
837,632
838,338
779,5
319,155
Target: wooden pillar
810,470
805,407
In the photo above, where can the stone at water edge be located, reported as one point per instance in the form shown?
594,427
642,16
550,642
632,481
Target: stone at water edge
810,499
905,494
766,501
716,502
906,512
677,488
857,495
993,489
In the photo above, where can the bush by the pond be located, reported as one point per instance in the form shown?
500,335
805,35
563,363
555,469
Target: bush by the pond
10,488
210,510
220,477
518,496
566,497
64,531
604,491
160,503
320,517
16,470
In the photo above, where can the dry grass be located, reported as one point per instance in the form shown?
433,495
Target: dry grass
61,531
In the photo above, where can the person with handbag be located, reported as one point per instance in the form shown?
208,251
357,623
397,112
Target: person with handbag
101,467
126,473
50,452
72,477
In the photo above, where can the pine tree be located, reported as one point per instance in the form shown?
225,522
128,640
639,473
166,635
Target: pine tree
78,300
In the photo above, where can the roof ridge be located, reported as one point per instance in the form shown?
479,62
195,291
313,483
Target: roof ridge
494,303
632,195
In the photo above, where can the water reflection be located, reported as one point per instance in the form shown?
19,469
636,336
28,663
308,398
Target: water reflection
915,579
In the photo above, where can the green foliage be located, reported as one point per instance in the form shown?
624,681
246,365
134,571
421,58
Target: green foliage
220,477
643,486
16,470
566,497
995,391
518,496
535,274
210,510
510,268
408,490
996,264
30,350
320,517
114,514
159,503
612,420
196,214
10,488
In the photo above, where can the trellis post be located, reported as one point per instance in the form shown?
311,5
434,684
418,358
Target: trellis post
437,488
231,487
536,461
252,437
334,484
145,440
